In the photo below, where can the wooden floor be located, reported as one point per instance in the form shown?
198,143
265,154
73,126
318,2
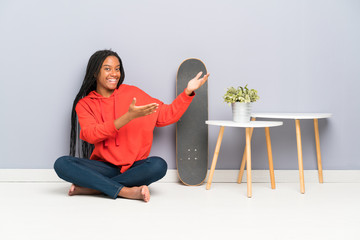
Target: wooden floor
44,211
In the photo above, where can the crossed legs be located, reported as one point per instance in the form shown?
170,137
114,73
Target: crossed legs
95,177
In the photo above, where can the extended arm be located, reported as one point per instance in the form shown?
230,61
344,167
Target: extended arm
135,112
93,132
169,114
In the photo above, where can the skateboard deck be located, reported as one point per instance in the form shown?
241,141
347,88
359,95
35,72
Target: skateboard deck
191,131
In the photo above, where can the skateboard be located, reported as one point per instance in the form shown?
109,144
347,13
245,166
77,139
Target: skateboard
191,131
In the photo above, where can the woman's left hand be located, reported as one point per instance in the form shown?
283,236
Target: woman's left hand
196,83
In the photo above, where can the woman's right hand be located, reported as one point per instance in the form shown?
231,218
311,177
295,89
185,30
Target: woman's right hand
140,111
135,112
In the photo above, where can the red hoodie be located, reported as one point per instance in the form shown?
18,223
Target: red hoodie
133,141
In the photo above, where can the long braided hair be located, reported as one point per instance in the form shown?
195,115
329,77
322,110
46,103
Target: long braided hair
88,85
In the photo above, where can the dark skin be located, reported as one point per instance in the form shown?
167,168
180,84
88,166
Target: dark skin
107,81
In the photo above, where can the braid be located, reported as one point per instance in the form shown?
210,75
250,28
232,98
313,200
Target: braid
88,85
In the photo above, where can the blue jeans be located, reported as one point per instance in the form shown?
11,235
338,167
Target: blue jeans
106,177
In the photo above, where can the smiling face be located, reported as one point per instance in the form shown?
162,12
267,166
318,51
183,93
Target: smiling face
108,77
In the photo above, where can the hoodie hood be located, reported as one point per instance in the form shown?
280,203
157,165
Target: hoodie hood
94,94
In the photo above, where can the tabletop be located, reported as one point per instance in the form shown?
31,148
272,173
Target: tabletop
251,124
292,115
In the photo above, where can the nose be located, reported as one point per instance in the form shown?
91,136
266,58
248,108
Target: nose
113,73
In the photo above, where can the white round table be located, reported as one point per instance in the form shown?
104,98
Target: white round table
297,117
249,128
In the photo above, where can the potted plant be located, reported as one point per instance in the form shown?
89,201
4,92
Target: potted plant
241,98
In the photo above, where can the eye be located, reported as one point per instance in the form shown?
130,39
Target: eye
118,69
107,69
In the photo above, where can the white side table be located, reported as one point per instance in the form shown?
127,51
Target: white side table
248,126
297,117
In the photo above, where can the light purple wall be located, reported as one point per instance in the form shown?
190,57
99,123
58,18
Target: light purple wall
302,56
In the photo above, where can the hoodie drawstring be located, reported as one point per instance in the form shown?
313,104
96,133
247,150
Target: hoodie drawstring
105,142
116,135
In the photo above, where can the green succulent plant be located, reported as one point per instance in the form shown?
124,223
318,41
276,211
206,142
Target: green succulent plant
241,94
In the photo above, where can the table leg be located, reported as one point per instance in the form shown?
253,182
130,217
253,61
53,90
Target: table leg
317,141
242,167
271,165
216,155
300,157
248,161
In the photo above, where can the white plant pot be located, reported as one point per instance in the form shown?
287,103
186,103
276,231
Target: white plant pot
241,112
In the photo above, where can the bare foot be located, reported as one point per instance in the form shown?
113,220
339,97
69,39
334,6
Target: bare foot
77,190
141,193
